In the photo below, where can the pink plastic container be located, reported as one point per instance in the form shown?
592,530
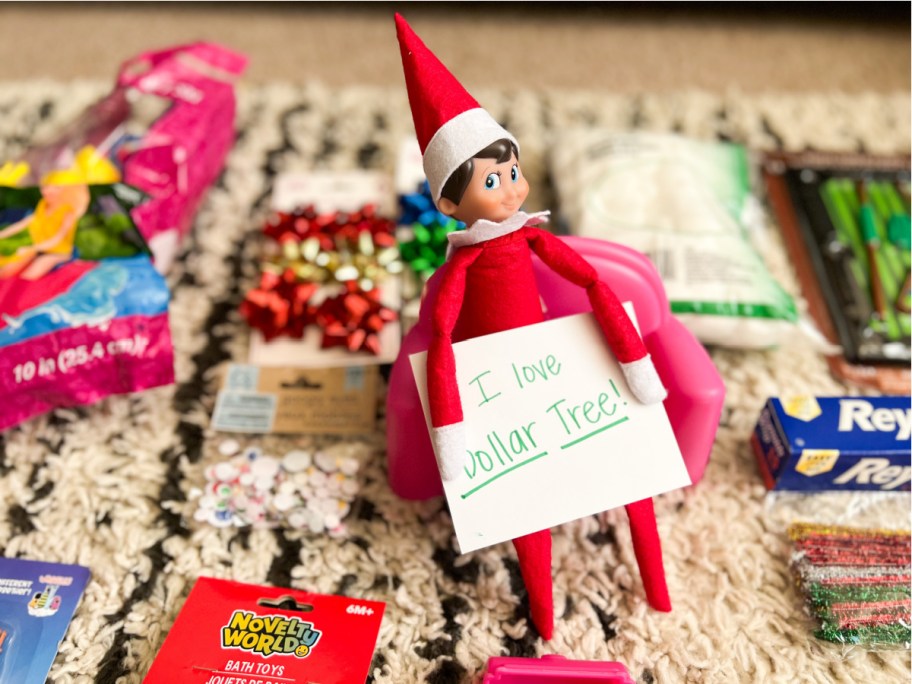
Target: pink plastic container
554,669
695,389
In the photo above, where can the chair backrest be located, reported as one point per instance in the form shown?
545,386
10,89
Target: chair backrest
631,275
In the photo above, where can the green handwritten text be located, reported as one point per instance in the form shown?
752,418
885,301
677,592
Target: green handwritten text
544,368
582,417
484,397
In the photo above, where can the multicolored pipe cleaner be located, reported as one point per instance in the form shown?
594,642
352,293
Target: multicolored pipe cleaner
856,582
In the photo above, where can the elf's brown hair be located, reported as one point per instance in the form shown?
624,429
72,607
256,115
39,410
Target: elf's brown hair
456,184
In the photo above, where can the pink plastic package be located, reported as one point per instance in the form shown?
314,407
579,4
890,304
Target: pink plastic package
83,313
184,150
168,124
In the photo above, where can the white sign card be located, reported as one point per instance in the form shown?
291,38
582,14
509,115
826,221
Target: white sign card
553,433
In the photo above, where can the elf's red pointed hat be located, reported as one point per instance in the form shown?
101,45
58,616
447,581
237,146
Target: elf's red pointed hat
450,124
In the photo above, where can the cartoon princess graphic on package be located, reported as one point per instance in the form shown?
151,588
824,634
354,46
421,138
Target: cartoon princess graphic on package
47,235
34,244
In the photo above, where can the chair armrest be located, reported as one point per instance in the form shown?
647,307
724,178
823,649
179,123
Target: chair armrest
696,392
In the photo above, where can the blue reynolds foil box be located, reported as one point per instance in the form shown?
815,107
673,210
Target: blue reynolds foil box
835,443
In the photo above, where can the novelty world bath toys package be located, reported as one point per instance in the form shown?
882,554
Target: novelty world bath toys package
37,602
233,633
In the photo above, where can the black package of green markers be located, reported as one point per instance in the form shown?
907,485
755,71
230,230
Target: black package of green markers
855,225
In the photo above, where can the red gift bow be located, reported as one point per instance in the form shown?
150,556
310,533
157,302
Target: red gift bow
304,223
354,320
280,305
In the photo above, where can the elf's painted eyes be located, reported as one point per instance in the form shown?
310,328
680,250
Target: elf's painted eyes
492,182
514,173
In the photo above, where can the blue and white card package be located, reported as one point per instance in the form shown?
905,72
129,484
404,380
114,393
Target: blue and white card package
37,602
835,443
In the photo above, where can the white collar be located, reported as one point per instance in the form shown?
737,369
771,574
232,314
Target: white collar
484,230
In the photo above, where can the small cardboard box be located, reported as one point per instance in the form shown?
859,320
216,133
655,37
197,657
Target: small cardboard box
835,443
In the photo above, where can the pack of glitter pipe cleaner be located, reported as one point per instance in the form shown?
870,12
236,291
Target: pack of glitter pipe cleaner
37,602
233,633
835,443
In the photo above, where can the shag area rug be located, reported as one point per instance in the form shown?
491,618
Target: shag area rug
108,486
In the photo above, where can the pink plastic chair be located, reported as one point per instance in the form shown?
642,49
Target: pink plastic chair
695,389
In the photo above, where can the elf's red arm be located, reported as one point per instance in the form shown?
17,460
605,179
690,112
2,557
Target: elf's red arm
443,393
622,337
448,430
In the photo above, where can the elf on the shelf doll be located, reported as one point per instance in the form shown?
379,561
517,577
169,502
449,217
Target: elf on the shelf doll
488,286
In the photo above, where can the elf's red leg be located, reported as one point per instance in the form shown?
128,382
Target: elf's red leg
648,550
534,553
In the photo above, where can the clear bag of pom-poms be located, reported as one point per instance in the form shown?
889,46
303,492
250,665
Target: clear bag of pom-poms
267,481
690,206
855,582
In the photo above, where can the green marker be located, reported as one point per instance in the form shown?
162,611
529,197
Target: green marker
899,232
867,221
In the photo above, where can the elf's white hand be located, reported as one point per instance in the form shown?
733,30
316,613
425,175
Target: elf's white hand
450,449
644,381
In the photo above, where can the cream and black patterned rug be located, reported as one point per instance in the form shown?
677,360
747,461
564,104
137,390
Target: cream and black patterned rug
108,486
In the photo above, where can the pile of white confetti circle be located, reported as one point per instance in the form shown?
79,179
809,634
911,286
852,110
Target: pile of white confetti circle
302,489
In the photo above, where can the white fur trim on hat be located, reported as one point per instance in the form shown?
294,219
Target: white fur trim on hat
457,140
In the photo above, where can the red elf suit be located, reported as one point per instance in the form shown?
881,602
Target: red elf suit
489,286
